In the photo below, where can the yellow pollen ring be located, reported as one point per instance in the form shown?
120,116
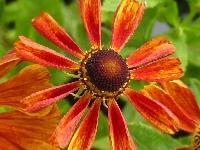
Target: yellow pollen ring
85,79
196,138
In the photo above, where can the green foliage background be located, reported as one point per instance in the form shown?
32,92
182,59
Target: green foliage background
181,22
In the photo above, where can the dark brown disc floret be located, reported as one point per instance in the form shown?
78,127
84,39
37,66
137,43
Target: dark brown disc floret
106,70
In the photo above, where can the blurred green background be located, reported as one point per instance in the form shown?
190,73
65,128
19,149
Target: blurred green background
177,19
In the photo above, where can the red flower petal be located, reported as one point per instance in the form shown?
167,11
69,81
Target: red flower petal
31,51
153,111
46,97
67,126
127,19
184,97
119,135
50,29
91,14
153,50
8,62
86,133
162,70
164,98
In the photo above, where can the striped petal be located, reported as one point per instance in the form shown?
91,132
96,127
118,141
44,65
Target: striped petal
153,50
44,98
119,135
69,122
91,14
159,71
153,111
50,29
31,51
127,19
184,97
8,62
155,92
20,131
22,85
85,135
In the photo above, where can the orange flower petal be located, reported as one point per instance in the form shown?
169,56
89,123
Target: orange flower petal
91,14
153,111
162,70
184,97
50,29
44,98
153,50
67,126
119,135
8,62
85,135
7,143
31,51
21,131
127,19
31,79
164,98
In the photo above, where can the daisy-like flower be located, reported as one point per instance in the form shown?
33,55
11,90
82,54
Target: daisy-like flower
19,129
104,74
180,100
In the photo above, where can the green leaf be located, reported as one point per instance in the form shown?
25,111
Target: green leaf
64,106
2,5
58,76
153,3
195,85
81,37
102,143
5,109
30,9
131,114
148,138
171,13
102,126
194,4
178,38
110,5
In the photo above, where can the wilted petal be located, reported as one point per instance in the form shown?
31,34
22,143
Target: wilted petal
20,131
119,135
85,135
184,97
159,71
8,62
153,111
160,95
31,79
50,29
69,122
91,14
153,50
31,51
44,98
127,19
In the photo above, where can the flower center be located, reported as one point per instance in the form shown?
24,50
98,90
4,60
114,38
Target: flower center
196,139
105,72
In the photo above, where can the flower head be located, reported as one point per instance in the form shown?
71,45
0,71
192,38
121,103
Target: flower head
179,99
19,129
104,74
